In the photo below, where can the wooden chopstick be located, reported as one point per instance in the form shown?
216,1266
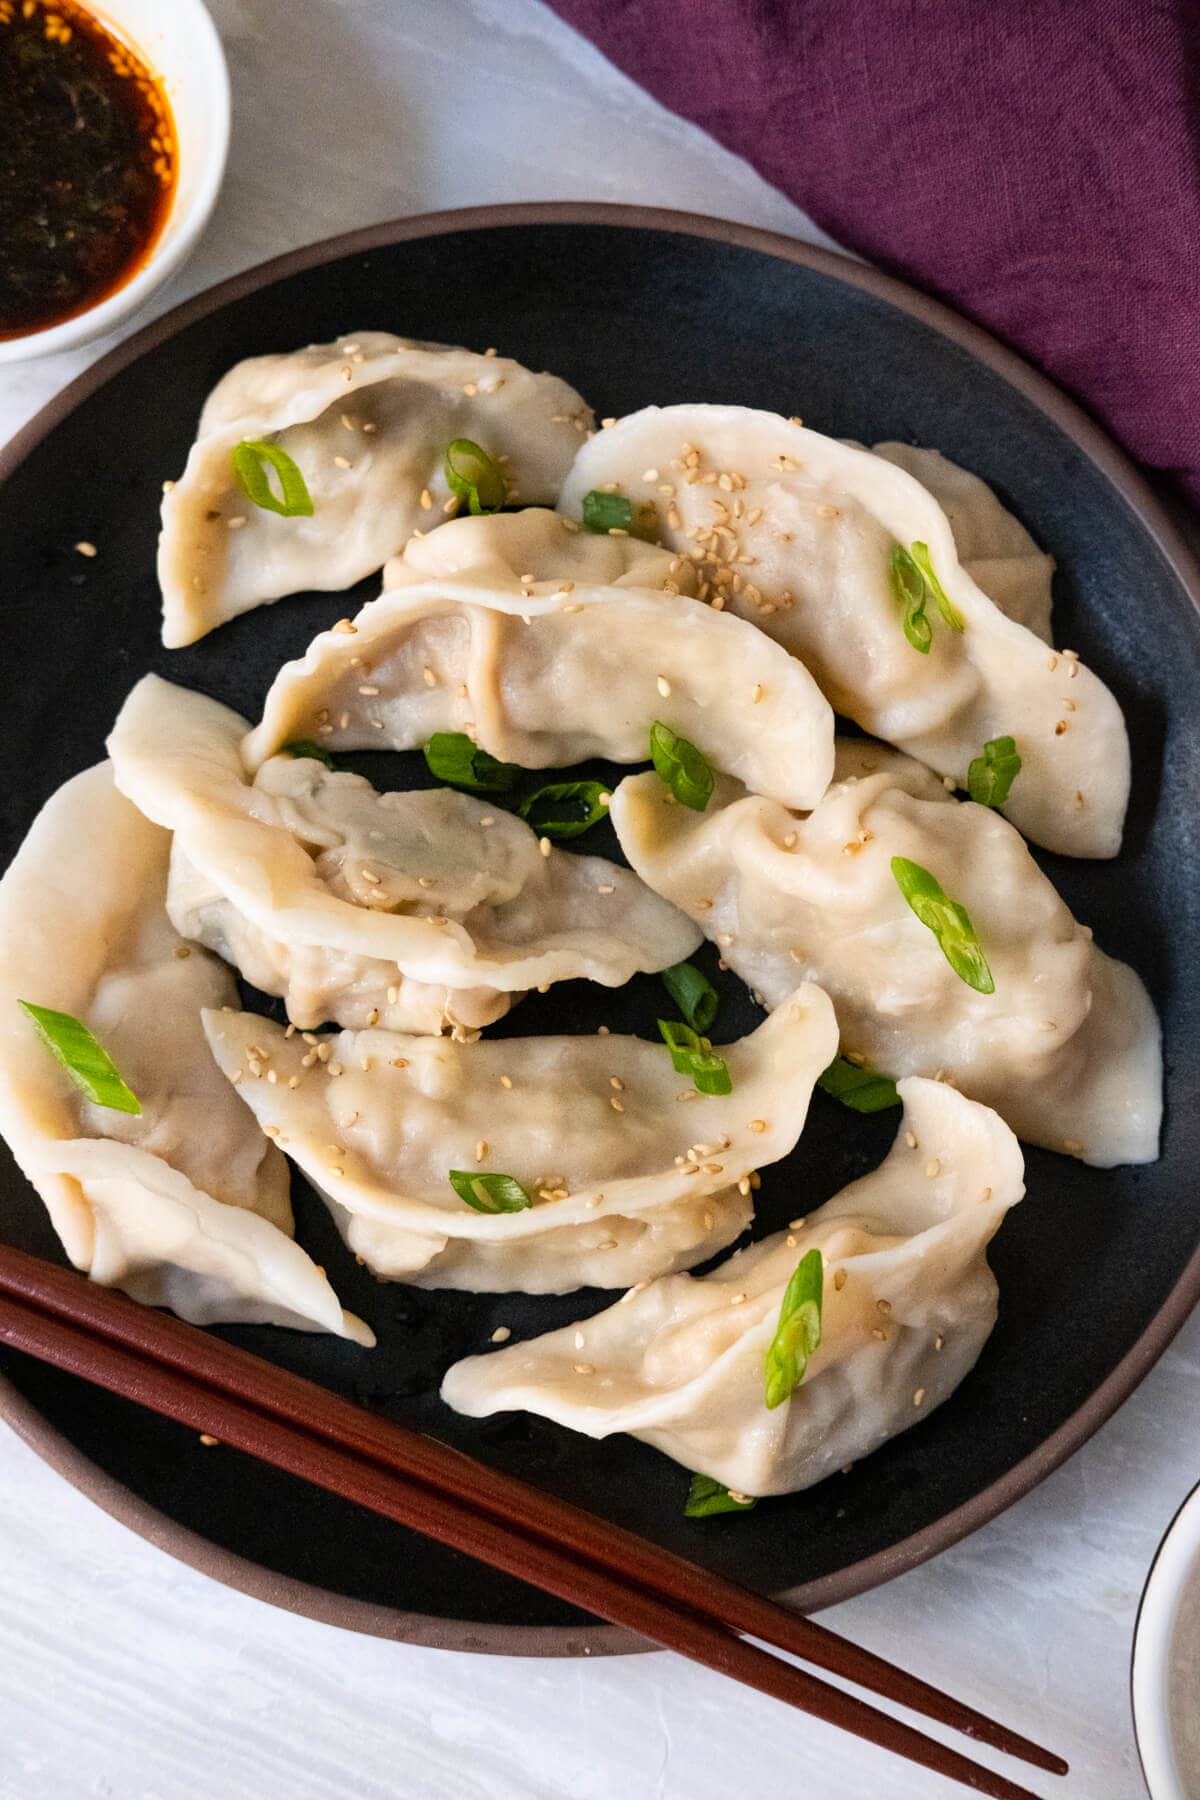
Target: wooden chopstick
270,1413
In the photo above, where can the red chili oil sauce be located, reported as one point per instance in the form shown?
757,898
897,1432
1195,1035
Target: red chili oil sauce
88,163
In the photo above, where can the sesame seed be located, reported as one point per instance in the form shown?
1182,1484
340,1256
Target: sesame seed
737,1299
791,1241
744,1185
884,1306
85,549
583,1368
182,951
934,1168
426,500
663,686
1073,1146
293,1081
490,820
607,424
501,1334
918,1396
370,876
602,1031
545,846
617,1105
272,1077
481,1149
758,1124
839,1279
910,1139
207,1440
876,1332
1060,728
616,1082
236,523
393,995
1047,1025
428,676
579,1340
506,1081
938,1341
759,691
341,462
344,721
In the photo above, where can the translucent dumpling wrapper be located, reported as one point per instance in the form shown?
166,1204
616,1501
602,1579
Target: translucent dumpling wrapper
992,544
908,1302
796,532
631,1172
523,549
1067,1048
367,420
184,1204
549,679
421,910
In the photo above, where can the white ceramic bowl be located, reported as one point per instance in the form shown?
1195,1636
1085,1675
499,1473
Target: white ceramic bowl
1166,1662
179,42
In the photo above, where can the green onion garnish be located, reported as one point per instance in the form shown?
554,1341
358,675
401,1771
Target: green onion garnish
949,922
454,758
306,747
908,585
475,477
693,1055
861,1089
87,1062
798,1332
686,772
607,512
914,584
946,606
250,461
693,994
706,1497
564,809
991,775
490,1193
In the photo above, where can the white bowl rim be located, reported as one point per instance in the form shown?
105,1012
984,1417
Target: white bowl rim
212,70
1178,1554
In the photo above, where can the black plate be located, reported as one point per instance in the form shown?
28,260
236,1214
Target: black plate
632,308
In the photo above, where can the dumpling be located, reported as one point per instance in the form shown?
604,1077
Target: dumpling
796,531
632,1172
519,549
993,546
545,679
1066,1049
418,910
184,1204
367,420
908,1304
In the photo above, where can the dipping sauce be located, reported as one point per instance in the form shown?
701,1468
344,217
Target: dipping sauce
88,163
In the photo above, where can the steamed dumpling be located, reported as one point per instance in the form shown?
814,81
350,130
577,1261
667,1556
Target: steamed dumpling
418,910
1067,1049
908,1304
519,549
993,546
799,539
545,679
632,1172
367,420
184,1204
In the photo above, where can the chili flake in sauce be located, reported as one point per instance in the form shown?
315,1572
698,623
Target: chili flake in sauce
88,163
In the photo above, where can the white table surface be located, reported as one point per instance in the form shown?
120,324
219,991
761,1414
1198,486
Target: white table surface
124,1675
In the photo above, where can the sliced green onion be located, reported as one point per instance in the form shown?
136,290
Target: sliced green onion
798,1332
87,1062
991,775
490,1193
454,758
908,585
607,512
564,809
474,476
946,606
949,922
914,584
693,994
706,1497
693,1055
306,747
250,461
861,1089
686,772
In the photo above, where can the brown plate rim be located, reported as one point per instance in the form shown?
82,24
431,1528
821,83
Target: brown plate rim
592,1640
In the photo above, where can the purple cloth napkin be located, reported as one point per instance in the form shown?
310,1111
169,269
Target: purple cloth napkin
1036,163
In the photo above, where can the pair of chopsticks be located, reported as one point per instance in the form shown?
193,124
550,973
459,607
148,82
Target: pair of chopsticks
183,1373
